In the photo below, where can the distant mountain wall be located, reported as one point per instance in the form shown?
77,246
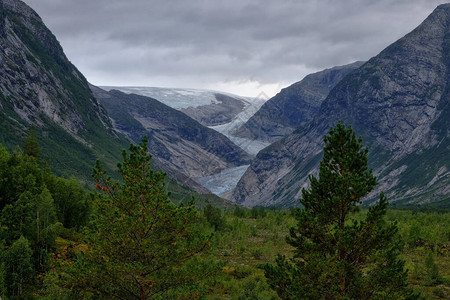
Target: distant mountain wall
399,102
294,106
175,139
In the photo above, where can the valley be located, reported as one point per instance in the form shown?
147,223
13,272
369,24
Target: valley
336,187
224,113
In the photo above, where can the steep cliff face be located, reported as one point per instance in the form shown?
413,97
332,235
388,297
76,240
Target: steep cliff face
175,139
294,106
36,76
399,102
40,87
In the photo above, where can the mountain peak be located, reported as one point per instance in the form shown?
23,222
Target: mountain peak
40,87
398,102
20,8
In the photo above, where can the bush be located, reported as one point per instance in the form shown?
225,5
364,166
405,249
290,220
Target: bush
240,212
432,276
214,217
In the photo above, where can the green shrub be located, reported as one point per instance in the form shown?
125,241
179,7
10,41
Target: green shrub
432,276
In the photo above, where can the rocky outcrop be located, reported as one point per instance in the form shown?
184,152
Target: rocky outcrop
175,140
36,77
294,106
399,102
40,87
219,113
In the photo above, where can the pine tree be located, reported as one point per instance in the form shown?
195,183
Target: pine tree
31,146
139,241
335,255
432,276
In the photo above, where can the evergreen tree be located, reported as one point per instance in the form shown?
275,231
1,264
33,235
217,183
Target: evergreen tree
17,264
336,256
214,217
139,241
31,146
432,276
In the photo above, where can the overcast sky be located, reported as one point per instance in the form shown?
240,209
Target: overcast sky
240,46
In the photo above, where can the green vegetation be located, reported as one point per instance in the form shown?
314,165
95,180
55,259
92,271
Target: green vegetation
33,213
247,244
337,256
139,242
71,154
59,241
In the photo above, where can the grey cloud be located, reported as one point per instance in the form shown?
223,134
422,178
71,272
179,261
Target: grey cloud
199,42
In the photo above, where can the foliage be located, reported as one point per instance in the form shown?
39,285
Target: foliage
139,241
71,200
257,212
17,264
335,256
250,239
432,276
29,218
31,146
27,207
214,217
240,212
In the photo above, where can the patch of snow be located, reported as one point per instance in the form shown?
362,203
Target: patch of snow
179,99
224,181
175,97
228,129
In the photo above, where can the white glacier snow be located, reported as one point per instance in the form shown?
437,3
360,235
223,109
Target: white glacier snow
174,97
180,99
224,181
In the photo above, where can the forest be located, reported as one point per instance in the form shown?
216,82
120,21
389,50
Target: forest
125,238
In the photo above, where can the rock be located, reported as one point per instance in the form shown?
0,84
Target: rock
175,139
294,106
40,87
398,101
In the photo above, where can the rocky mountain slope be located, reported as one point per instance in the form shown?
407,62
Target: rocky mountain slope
175,140
294,106
220,111
40,87
209,108
399,102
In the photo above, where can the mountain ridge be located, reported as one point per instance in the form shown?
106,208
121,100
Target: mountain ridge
175,139
394,101
40,87
294,106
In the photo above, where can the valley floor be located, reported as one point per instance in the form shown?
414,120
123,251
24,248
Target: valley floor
250,239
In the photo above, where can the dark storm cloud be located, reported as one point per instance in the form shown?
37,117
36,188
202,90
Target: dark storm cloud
240,44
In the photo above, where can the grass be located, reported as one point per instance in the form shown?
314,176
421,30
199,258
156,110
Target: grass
248,242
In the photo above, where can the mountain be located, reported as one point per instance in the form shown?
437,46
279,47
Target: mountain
209,108
399,102
40,87
219,113
175,140
294,106
223,112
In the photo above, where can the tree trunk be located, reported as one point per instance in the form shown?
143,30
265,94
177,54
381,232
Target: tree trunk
142,295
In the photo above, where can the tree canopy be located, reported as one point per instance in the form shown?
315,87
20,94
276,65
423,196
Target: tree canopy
139,241
335,255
